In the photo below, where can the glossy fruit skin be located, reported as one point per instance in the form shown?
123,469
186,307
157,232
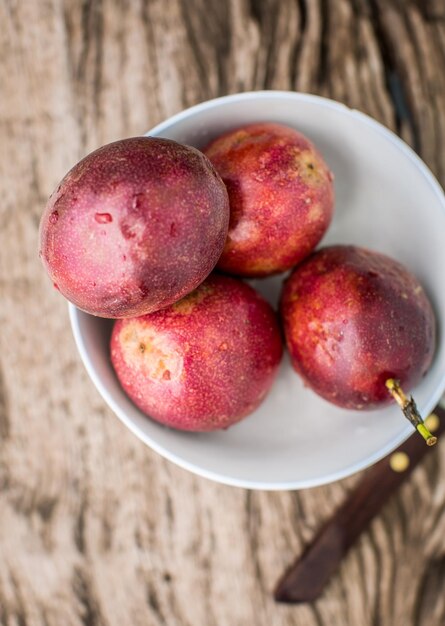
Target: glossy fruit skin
281,197
352,319
134,226
203,363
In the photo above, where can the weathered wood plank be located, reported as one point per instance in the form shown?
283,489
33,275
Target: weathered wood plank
95,529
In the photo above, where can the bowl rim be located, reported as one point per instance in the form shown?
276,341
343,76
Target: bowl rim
197,469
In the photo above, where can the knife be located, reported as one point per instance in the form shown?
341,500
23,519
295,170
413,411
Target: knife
305,580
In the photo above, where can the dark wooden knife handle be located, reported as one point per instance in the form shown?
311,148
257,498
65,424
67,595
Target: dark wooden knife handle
307,577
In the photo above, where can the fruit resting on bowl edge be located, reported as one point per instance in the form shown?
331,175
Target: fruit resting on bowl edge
281,197
203,363
353,319
134,226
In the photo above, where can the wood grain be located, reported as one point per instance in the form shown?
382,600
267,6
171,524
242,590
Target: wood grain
95,529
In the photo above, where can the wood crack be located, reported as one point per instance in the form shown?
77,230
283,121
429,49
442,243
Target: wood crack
270,22
302,9
154,604
318,618
393,78
323,68
430,600
5,422
194,46
89,608
79,525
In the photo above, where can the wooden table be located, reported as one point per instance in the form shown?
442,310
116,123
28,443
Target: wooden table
95,528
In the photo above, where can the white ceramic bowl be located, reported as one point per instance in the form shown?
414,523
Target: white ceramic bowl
386,199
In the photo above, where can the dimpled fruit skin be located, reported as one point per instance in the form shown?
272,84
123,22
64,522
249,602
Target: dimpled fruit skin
203,363
281,197
134,226
352,319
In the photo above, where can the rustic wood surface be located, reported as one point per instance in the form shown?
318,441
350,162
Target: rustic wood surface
95,528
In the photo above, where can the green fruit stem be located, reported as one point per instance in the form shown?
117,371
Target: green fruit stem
410,410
